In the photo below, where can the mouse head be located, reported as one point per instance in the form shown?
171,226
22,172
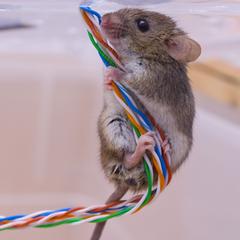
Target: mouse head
148,34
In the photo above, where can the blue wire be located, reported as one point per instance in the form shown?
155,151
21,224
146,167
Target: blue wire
106,210
11,218
106,63
94,13
164,168
51,212
148,125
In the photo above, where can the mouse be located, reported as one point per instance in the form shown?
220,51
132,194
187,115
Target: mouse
154,52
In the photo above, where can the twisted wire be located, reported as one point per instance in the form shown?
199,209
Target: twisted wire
141,123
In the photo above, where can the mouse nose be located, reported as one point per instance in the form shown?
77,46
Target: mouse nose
109,19
106,20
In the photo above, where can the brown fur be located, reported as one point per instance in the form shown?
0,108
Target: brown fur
158,83
162,80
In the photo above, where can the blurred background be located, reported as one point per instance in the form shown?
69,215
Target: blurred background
50,98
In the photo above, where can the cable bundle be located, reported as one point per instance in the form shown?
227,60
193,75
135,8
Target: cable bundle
140,122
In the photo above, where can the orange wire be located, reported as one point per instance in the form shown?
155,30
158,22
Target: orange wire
132,120
140,128
164,154
97,34
142,131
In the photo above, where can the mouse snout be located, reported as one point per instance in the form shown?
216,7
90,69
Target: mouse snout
106,19
110,20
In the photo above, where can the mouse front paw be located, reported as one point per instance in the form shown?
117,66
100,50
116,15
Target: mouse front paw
111,74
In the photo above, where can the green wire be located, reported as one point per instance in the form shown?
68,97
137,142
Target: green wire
150,183
111,62
9,228
147,170
100,50
118,213
67,221
74,220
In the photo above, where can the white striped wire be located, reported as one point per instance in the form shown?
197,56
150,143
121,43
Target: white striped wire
158,190
94,21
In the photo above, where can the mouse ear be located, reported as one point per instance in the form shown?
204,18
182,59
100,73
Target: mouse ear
183,48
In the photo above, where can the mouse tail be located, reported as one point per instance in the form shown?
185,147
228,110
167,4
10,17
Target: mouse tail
98,231
115,196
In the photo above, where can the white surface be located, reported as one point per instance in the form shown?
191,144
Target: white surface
50,91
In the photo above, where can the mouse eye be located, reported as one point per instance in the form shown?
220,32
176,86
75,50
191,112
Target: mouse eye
143,25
